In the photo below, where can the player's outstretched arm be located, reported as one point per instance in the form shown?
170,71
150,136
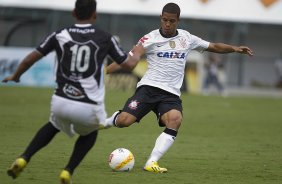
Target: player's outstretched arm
130,63
27,62
225,48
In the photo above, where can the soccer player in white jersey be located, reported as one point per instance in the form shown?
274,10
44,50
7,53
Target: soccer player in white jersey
77,106
159,89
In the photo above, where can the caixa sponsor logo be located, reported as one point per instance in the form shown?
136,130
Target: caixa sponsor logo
171,55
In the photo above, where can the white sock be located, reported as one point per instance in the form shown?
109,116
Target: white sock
163,143
110,121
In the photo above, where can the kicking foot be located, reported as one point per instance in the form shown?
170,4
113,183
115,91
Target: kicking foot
109,121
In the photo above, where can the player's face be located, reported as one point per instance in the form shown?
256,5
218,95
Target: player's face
169,23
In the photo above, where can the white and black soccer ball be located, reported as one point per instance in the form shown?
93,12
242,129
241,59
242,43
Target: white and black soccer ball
121,159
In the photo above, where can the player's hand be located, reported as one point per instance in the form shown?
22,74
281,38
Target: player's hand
11,78
244,50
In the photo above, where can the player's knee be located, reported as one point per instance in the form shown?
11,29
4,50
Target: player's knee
174,122
124,120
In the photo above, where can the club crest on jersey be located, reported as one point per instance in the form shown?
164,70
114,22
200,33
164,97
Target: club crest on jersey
183,42
133,104
171,55
172,44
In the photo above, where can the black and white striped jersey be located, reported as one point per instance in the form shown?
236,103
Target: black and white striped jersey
80,51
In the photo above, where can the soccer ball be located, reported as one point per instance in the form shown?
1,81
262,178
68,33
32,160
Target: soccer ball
121,159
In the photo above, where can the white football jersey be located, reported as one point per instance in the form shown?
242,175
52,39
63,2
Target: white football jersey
167,57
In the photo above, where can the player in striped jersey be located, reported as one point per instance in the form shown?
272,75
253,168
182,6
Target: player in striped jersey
166,50
77,106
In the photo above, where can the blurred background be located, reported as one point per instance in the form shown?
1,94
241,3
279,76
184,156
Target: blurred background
255,23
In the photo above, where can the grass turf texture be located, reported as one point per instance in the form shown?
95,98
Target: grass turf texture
230,140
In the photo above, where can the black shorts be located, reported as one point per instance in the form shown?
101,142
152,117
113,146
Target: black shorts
147,98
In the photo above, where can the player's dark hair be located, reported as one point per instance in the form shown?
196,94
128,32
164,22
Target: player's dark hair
85,8
171,8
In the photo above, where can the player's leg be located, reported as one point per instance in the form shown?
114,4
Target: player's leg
85,122
124,119
133,111
81,148
172,120
41,139
109,122
170,112
119,118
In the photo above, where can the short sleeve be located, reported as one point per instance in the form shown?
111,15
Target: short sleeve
146,41
199,44
48,45
116,52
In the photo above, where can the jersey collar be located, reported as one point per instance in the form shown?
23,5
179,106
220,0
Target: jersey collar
176,33
83,25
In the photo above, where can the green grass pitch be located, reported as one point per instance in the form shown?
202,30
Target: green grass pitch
234,140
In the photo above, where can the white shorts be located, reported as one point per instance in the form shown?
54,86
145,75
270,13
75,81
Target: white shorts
73,117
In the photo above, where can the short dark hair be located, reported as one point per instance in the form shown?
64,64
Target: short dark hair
85,8
171,8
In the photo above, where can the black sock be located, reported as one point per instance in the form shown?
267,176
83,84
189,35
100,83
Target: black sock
40,140
171,132
81,148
